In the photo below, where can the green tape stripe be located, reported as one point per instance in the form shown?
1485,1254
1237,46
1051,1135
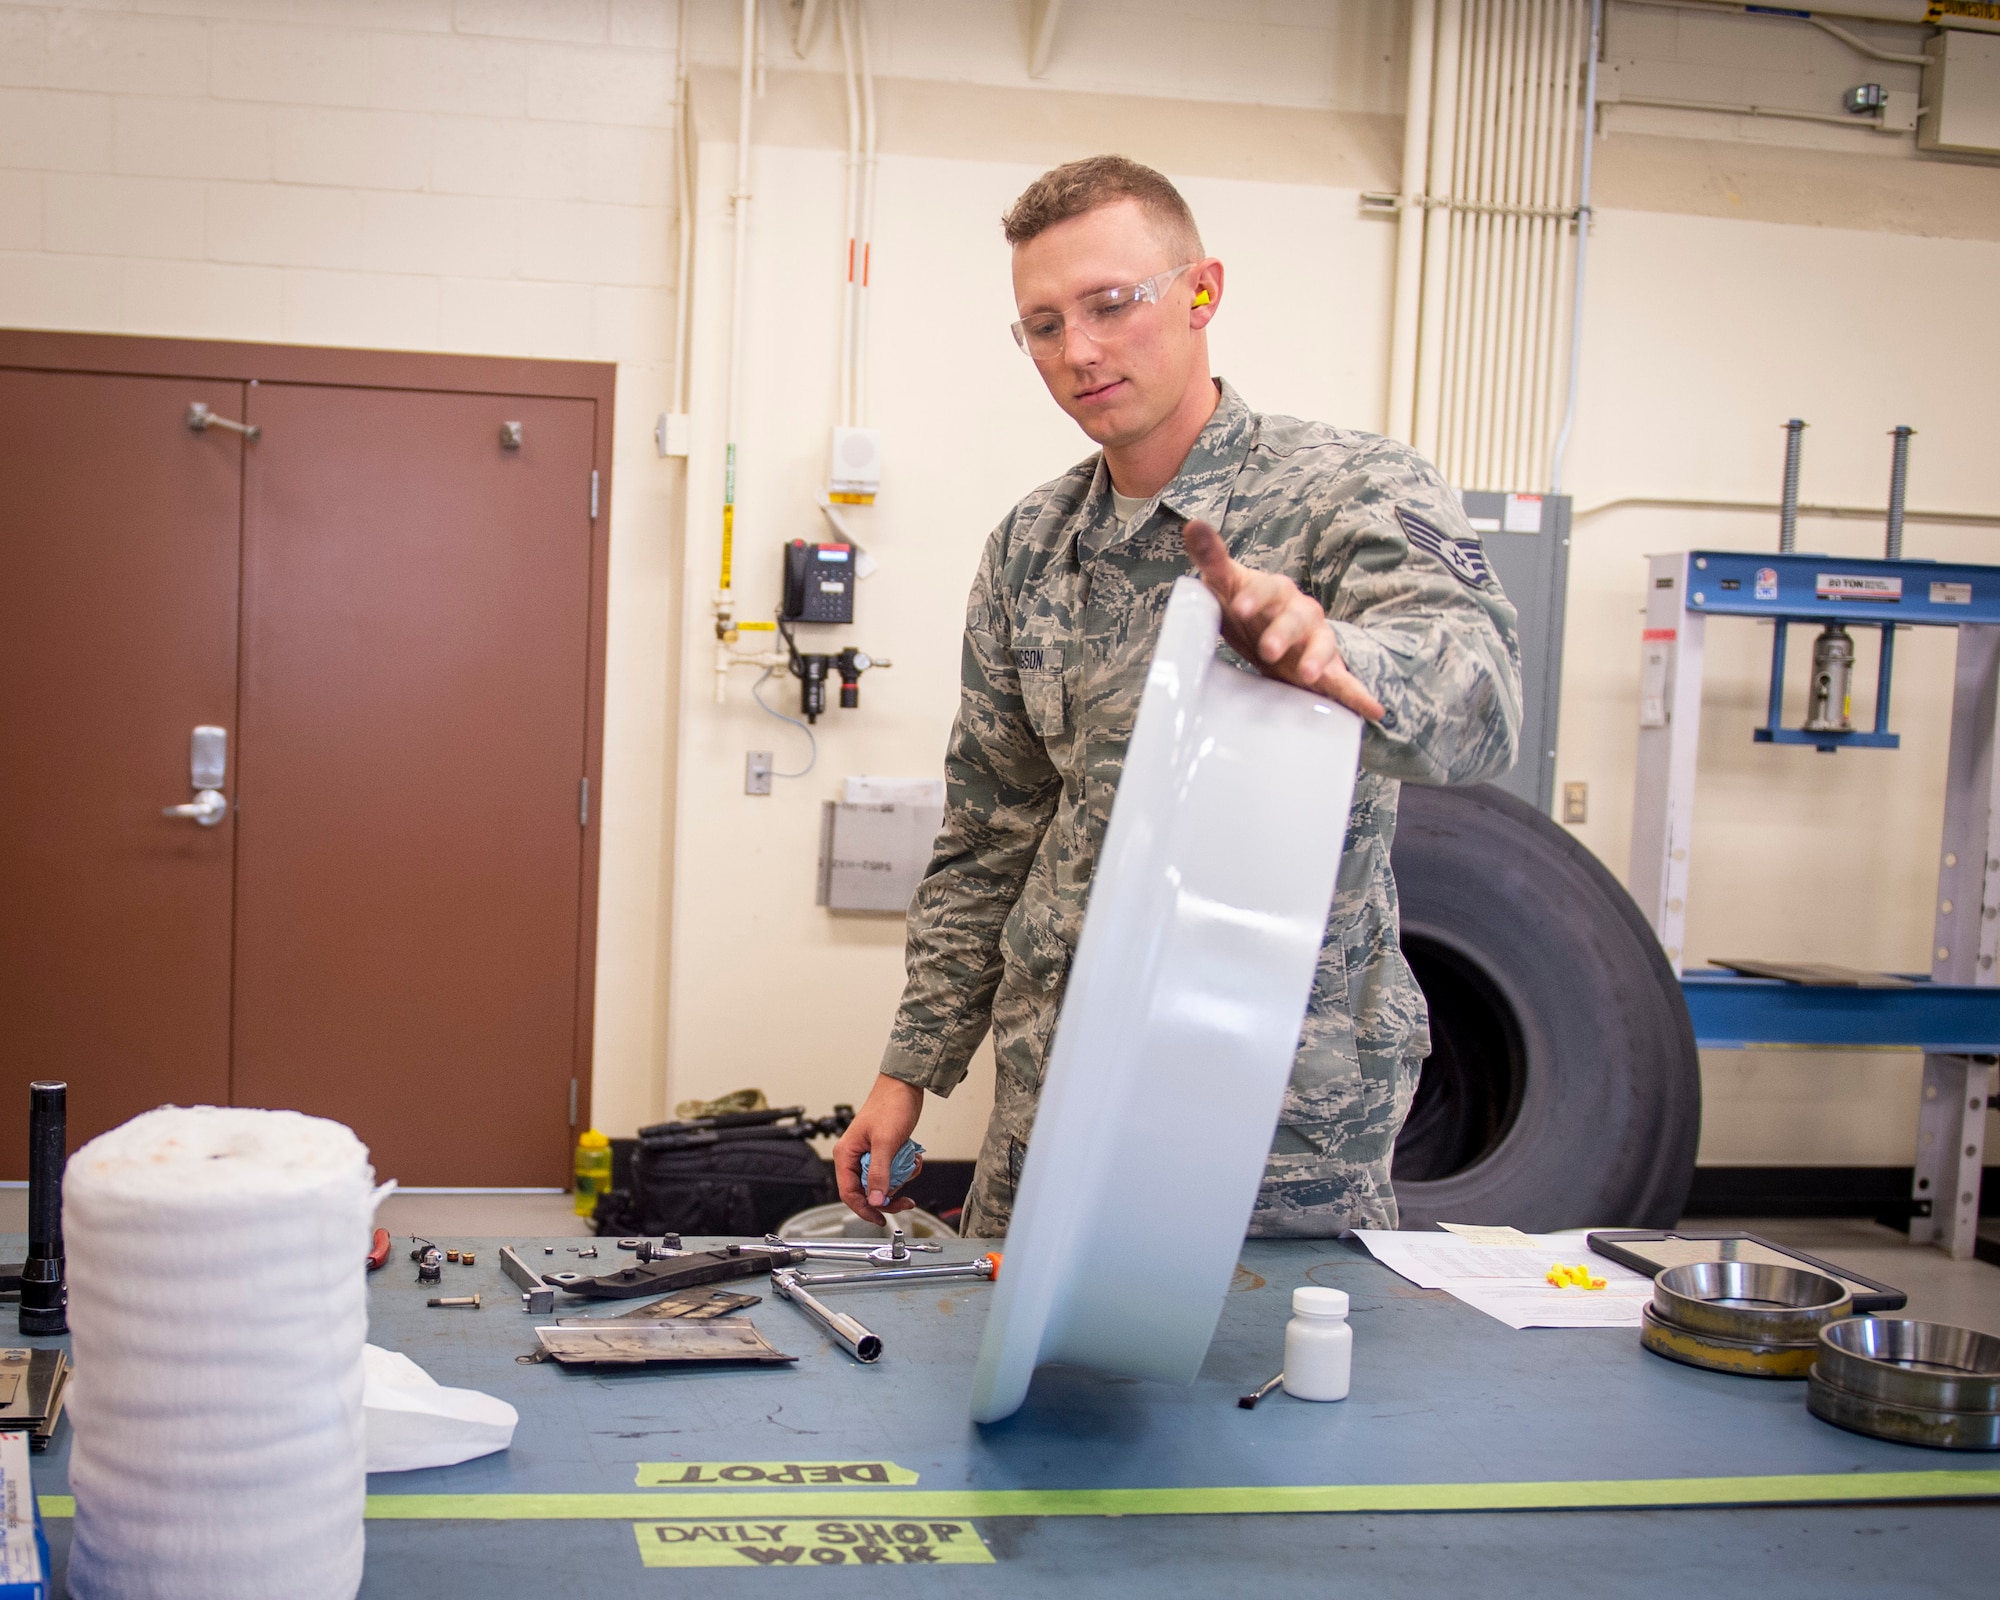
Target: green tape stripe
1829,1488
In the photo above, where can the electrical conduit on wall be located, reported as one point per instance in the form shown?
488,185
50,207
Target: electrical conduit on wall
1479,382
739,200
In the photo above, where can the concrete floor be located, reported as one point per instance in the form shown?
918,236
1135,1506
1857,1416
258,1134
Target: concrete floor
1966,1293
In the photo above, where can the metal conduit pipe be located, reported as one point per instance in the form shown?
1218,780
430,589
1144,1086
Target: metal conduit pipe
684,214
1579,279
1831,513
739,199
1400,422
843,21
1437,230
867,215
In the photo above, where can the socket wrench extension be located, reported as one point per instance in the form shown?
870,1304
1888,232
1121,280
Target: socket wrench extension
864,1345
897,1248
986,1267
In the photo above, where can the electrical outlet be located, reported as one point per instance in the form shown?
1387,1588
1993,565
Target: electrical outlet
1576,802
757,772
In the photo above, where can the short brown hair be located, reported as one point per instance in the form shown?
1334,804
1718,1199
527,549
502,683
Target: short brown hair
1079,186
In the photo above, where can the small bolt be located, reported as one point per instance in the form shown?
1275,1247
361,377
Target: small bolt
470,1301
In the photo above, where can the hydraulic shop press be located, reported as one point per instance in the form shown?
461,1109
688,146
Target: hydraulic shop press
1953,1013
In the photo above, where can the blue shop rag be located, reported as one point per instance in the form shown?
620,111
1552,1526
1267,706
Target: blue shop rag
901,1170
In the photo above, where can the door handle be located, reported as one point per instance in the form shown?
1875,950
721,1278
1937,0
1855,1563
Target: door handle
207,808
201,419
208,765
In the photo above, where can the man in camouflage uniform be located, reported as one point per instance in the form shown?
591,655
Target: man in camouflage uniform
1343,562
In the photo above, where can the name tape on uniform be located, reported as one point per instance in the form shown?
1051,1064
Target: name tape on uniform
806,1545
768,1474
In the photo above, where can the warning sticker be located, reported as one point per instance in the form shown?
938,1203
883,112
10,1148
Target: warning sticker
811,1544
1859,586
762,1474
1951,594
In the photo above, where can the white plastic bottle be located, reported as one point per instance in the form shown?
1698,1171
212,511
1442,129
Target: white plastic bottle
1319,1345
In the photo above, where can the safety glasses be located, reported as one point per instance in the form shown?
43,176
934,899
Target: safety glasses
1103,316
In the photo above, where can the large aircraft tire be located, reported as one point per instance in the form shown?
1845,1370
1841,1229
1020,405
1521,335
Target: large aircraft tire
1563,1088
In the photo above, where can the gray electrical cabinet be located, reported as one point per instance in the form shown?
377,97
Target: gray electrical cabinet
1527,545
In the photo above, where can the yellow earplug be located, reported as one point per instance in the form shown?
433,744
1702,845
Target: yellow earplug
1201,297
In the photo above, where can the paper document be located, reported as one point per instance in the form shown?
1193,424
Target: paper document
1508,1281
1500,1238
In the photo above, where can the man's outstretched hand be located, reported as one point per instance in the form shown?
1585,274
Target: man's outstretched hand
885,1120
1267,620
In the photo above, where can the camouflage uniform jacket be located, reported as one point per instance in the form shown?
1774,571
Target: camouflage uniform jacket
1059,633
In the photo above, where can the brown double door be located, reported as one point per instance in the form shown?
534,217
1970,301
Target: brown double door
389,614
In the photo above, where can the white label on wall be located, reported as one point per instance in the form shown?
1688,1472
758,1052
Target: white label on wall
1951,594
1524,514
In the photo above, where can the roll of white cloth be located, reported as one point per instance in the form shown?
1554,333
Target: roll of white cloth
218,1309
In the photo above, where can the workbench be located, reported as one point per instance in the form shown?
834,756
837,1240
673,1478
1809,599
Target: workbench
1469,1456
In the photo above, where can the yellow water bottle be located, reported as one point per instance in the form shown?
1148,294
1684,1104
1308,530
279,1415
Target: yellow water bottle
593,1170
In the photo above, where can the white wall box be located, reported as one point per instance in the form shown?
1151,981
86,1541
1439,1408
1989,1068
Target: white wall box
1961,94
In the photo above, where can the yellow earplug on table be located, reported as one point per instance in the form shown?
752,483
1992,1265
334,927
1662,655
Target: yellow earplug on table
1576,1277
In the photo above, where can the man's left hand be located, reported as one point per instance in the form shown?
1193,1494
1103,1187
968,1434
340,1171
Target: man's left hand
1269,621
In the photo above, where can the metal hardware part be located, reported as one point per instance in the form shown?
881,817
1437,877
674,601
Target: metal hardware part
1830,703
465,1258
1751,1358
690,1305
1249,1401
1788,508
208,756
510,436
986,1267
430,1266
630,1244
1899,477
662,1276
451,1256
624,1344
44,1286
668,1247
856,1249
588,1253
1941,1430
469,1300
539,1298
1900,1361
201,419
207,808
863,1345
1750,1300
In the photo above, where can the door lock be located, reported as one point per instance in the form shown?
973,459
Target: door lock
208,766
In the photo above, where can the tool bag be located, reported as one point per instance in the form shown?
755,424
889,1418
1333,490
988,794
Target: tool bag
741,1189
737,1174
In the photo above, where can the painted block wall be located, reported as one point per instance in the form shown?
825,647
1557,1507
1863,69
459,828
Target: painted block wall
497,178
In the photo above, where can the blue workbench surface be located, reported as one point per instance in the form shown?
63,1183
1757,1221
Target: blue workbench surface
1442,1395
